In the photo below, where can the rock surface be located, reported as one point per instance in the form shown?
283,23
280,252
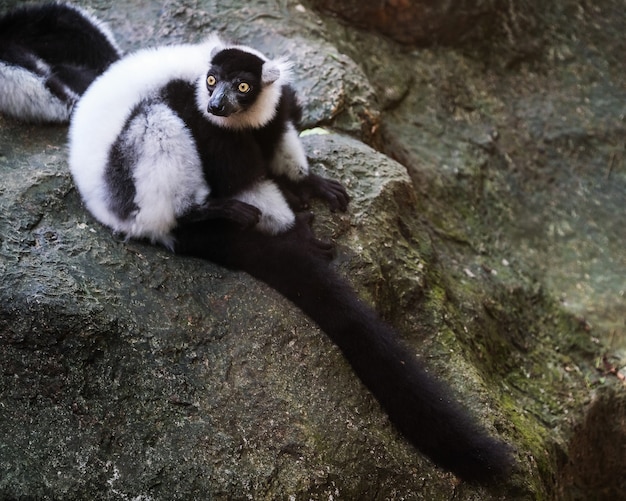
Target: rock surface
128,373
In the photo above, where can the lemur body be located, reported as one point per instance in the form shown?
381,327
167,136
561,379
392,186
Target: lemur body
195,147
146,152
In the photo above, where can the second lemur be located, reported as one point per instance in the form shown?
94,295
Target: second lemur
49,55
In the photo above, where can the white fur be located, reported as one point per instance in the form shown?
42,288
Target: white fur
23,95
99,118
276,216
167,176
290,159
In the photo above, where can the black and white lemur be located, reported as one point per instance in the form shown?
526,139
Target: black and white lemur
196,147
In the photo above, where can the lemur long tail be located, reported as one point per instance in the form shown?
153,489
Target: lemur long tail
418,405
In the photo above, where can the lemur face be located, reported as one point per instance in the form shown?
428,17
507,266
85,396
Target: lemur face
241,88
233,82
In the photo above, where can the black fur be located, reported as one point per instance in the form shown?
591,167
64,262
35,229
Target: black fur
296,265
63,38
229,63
232,160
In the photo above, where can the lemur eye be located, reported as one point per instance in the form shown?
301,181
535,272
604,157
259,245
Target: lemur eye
211,81
244,87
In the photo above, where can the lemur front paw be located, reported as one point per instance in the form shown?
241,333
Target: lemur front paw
330,190
238,212
241,213
300,193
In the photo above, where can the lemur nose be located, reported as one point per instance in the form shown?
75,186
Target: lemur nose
217,109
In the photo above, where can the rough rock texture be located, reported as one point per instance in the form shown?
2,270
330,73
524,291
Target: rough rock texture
519,160
125,369
128,373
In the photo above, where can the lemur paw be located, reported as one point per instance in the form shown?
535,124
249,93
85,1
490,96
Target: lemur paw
333,192
241,213
238,212
300,193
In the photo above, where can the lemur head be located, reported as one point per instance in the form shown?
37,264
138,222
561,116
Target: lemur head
242,87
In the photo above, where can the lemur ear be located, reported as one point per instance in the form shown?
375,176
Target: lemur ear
214,51
271,72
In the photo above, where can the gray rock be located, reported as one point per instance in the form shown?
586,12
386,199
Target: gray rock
130,373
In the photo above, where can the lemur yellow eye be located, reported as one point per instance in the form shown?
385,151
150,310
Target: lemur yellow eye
244,87
210,80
